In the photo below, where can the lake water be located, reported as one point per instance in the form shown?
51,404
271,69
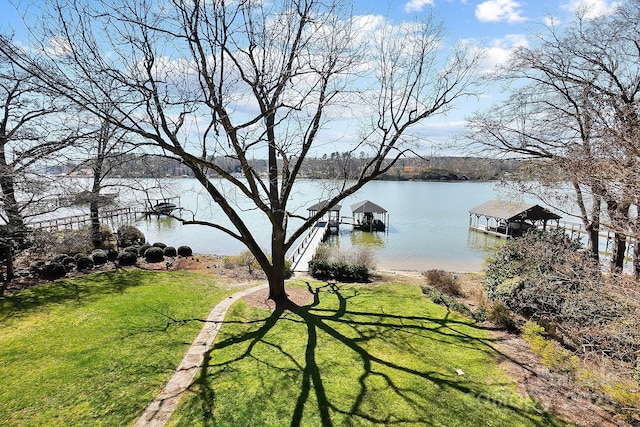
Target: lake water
428,223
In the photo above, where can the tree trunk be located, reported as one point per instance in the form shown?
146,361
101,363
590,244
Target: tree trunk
617,254
276,273
15,222
94,214
636,259
594,240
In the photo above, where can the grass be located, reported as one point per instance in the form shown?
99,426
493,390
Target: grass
374,355
95,350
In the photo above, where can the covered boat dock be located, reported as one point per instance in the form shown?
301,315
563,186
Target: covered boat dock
367,216
507,219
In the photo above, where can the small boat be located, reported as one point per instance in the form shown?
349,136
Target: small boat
163,208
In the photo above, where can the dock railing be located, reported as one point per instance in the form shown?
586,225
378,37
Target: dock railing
309,243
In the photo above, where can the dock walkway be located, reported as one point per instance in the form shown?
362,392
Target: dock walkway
307,248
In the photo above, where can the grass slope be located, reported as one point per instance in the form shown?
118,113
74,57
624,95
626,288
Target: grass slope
95,350
375,355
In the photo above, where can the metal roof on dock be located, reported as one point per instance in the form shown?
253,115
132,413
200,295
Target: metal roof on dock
509,210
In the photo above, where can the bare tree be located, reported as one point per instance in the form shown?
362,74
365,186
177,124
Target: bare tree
247,79
30,133
575,104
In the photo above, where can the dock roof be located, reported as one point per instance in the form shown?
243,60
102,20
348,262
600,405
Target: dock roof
322,204
511,211
367,206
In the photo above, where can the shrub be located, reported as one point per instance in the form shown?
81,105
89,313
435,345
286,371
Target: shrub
84,263
126,258
133,249
553,356
499,314
59,258
54,271
243,259
159,245
99,257
36,267
129,235
170,251
444,281
68,261
112,254
184,251
545,275
143,249
347,266
154,254
451,303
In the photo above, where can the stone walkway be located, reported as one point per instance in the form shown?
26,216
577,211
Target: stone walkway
159,411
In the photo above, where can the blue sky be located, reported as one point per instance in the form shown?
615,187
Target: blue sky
498,25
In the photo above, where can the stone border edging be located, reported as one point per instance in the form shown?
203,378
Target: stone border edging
160,410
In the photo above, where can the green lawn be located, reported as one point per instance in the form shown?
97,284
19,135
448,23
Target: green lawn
95,350
375,355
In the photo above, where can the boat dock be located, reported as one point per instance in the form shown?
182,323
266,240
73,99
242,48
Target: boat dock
307,248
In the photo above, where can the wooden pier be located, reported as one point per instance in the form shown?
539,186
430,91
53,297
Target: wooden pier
75,222
307,248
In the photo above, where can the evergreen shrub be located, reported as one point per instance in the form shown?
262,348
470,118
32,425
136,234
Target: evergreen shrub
126,258
84,263
184,251
99,257
170,251
154,254
54,271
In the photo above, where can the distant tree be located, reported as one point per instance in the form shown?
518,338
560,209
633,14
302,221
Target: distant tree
574,102
237,79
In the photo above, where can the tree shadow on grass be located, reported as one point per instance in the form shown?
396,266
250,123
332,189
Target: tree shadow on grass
355,330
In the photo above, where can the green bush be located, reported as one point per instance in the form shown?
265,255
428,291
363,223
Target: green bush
170,251
54,271
133,249
59,258
184,251
99,257
126,258
346,266
154,254
84,263
112,255
546,275
159,245
37,267
142,249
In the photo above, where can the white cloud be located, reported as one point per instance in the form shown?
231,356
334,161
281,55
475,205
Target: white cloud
416,5
499,10
591,9
58,46
500,49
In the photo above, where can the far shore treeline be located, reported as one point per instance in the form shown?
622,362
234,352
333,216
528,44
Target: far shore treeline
342,165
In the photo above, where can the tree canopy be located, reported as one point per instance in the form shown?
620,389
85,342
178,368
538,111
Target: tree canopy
203,79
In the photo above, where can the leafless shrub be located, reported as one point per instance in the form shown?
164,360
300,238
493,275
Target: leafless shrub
444,281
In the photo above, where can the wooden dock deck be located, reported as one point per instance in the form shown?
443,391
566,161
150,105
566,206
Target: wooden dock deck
308,246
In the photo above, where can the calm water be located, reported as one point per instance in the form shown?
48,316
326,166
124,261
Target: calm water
428,223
